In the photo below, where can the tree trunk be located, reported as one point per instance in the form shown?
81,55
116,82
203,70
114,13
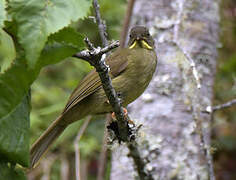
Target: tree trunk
175,138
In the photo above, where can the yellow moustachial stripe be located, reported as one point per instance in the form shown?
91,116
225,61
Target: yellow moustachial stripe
145,44
133,45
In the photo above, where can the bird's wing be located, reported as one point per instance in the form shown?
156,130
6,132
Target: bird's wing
92,82
118,61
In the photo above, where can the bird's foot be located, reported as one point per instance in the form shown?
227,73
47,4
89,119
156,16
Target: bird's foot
125,113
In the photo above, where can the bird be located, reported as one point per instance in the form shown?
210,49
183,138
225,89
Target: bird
131,70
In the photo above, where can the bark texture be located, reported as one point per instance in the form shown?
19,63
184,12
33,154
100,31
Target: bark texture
171,140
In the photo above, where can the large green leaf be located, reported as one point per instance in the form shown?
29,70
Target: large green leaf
10,173
37,19
14,84
68,36
14,136
15,81
61,45
7,50
2,12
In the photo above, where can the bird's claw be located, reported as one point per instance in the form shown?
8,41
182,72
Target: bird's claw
125,113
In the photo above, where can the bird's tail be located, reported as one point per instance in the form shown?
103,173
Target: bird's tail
45,141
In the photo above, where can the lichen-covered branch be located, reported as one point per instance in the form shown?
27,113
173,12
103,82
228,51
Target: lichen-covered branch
101,23
92,52
96,57
139,162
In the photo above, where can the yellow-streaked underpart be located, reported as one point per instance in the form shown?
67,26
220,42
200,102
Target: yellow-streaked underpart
144,45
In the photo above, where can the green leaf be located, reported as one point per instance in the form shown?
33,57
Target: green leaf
2,12
37,19
10,173
14,84
55,53
14,136
61,45
68,36
7,50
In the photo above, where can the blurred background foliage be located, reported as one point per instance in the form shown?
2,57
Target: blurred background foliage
55,83
224,124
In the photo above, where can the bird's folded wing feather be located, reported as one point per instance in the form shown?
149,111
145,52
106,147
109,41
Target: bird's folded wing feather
117,63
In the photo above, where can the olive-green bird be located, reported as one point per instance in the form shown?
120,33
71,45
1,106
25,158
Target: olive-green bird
131,70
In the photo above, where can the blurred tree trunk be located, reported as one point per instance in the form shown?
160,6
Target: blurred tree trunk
171,108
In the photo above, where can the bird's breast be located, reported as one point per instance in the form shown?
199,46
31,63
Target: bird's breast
138,74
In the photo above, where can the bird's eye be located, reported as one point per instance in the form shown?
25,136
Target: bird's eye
148,34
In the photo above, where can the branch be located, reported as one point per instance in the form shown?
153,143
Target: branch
65,167
101,23
94,57
47,166
89,54
188,57
123,131
211,109
76,145
126,23
139,162
103,153
99,63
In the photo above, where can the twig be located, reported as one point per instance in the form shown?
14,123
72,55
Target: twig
125,28
47,166
88,55
103,154
188,57
211,109
76,146
89,44
101,23
65,169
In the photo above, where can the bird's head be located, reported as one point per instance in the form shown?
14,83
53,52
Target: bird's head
140,37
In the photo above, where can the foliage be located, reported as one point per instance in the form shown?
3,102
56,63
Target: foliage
10,172
14,135
33,34
2,12
224,134
36,20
